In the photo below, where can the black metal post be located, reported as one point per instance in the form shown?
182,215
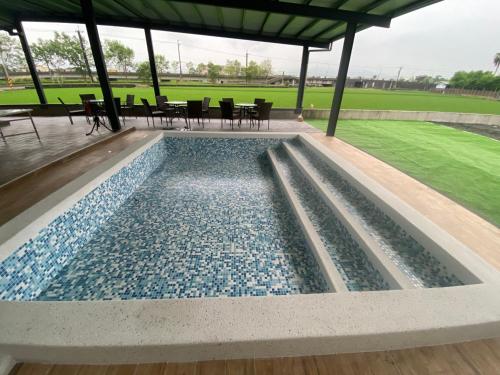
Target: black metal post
100,65
152,62
341,78
31,64
302,79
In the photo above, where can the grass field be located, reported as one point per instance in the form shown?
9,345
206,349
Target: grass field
281,97
463,166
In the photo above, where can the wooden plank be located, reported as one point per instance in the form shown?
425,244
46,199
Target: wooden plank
64,370
180,369
121,370
92,370
32,369
211,368
240,367
150,369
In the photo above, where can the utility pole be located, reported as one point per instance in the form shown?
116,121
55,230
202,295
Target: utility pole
397,79
246,67
87,65
180,63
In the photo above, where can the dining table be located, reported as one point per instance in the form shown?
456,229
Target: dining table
246,109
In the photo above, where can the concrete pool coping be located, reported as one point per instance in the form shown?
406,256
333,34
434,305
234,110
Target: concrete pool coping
209,328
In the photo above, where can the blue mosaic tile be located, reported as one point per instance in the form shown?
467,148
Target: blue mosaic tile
352,263
208,222
27,272
421,267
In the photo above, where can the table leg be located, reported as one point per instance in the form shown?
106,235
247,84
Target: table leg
34,127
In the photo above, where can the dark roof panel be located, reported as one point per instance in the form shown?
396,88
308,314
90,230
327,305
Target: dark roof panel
303,22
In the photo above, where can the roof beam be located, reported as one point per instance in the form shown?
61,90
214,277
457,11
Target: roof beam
294,9
165,26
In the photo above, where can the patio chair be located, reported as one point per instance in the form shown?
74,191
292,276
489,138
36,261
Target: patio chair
206,107
148,112
259,101
237,112
161,101
72,110
227,113
129,106
194,111
263,113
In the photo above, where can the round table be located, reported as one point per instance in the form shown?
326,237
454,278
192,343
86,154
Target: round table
246,109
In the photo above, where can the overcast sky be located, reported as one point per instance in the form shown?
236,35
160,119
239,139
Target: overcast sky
440,39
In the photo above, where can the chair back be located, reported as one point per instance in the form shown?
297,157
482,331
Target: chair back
226,110
118,106
87,97
259,101
61,101
130,100
264,111
147,108
194,108
229,100
206,103
161,101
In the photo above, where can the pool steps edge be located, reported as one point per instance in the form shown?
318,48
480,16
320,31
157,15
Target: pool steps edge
331,274
446,248
389,271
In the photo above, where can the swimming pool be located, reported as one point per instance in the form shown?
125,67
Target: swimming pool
270,220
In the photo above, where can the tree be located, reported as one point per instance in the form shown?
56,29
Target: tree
144,71
232,68
174,65
214,71
201,69
475,80
266,68
162,64
49,52
496,62
190,67
11,55
72,51
119,55
252,71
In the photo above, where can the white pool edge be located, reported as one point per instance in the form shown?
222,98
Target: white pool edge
134,331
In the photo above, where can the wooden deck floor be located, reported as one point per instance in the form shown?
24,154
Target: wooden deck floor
479,357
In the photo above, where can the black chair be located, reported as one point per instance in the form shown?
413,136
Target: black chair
206,107
161,101
263,113
227,113
72,112
148,112
194,111
129,105
259,101
119,108
237,112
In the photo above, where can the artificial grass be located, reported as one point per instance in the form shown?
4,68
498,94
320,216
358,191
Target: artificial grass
462,165
317,97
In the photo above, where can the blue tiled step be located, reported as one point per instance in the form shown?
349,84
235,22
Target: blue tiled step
330,272
391,273
420,266
354,267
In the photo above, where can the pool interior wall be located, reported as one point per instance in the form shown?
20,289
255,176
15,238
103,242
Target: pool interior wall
203,217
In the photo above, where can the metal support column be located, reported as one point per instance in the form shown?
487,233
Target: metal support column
341,78
152,62
100,65
31,64
302,79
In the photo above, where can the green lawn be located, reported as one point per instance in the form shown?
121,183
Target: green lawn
464,166
319,97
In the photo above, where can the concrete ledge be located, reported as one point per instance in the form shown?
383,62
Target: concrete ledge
449,117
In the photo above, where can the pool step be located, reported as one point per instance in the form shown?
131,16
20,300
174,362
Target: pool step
389,271
331,274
